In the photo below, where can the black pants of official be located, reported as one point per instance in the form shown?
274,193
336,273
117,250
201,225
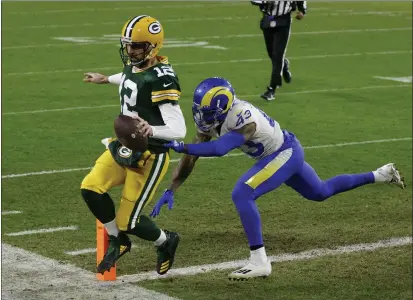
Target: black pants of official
276,40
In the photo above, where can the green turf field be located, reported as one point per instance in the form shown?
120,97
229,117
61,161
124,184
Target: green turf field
52,121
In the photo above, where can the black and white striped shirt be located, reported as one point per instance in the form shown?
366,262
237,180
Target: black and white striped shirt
280,8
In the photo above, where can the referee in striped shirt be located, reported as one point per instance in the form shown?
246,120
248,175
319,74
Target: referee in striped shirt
276,26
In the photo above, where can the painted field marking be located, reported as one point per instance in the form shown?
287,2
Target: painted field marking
81,251
305,255
202,19
228,155
44,230
55,280
11,212
99,42
64,279
210,62
407,79
369,87
360,30
130,8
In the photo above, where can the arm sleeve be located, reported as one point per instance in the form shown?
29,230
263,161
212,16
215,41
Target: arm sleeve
260,4
219,147
115,79
302,6
174,120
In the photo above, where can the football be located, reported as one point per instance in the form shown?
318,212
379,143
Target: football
127,134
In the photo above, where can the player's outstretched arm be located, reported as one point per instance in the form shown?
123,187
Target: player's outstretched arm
219,147
180,174
186,164
102,79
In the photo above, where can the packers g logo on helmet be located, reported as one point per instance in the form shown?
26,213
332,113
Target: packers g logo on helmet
141,32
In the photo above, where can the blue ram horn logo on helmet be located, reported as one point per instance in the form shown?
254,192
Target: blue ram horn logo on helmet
213,98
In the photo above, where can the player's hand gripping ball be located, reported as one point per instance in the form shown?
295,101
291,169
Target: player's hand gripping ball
126,130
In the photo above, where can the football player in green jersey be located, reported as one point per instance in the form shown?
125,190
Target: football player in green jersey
149,91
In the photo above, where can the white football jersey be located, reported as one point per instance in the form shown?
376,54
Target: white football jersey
268,136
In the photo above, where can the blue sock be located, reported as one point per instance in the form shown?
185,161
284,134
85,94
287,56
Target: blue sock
243,198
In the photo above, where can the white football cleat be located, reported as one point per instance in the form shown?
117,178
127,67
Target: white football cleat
389,173
251,270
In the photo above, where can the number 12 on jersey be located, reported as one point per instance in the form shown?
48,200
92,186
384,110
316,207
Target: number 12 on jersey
128,91
164,70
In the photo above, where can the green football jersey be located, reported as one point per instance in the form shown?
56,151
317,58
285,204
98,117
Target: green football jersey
141,92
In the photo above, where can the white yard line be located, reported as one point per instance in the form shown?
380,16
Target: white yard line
228,155
127,8
210,62
200,38
406,79
44,172
310,254
52,26
44,230
28,275
370,87
81,251
303,33
202,19
11,212
55,280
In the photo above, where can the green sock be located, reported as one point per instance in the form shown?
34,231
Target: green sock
146,229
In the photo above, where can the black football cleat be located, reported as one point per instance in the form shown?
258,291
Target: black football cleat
118,246
286,71
268,95
166,252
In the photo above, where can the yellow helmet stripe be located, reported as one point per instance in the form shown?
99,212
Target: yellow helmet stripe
128,30
219,90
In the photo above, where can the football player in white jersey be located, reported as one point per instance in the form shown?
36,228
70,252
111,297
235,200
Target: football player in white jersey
280,159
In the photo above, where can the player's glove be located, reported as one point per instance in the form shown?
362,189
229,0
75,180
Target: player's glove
167,197
176,146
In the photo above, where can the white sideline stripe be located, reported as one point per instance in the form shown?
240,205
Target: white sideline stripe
228,155
240,96
305,255
220,62
45,230
55,280
200,38
82,251
11,212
